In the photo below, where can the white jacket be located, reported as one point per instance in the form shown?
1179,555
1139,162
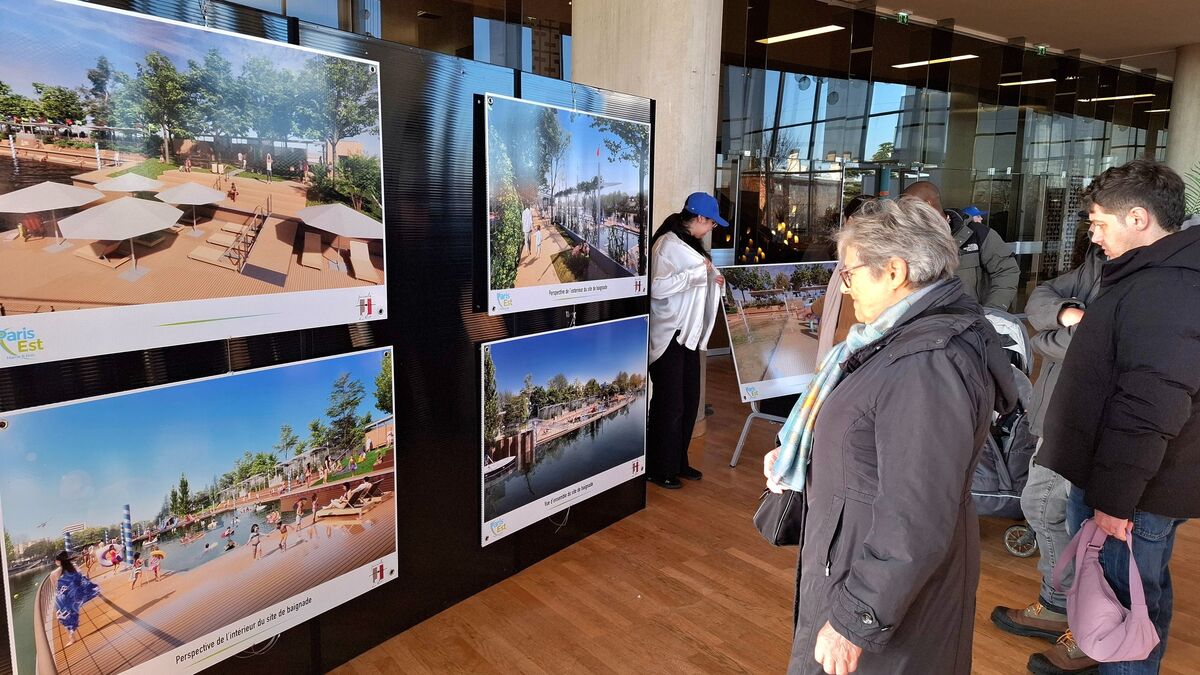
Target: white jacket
683,296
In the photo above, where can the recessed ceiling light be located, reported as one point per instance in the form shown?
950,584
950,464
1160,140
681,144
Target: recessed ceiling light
800,34
1115,98
948,59
1017,84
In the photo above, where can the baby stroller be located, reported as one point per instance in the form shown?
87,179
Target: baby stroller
1003,467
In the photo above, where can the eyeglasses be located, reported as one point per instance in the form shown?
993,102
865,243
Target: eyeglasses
847,274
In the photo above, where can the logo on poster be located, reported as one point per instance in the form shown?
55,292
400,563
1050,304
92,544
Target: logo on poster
637,286
20,344
377,574
636,466
752,391
366,306
498,526
505,299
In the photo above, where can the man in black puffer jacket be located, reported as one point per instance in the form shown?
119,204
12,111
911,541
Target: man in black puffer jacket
1122,425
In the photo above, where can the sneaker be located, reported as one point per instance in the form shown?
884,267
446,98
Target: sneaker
690,473
1064,657
1033,621
668,482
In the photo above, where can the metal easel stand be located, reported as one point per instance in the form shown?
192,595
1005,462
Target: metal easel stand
754,414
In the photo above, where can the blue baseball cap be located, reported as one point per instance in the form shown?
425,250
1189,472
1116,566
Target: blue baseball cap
704,204
974,211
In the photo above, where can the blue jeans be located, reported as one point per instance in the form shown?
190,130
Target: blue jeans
1153,539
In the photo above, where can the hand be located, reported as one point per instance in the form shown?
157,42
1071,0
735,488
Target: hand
1070,316
1114,527
838,655
720,279
768,462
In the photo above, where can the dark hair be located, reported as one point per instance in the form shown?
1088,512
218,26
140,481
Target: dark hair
854,205
677,223
64,559
1143,182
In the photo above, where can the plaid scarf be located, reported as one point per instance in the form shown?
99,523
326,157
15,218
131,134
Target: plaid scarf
796,436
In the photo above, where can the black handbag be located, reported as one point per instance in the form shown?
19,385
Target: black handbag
780,517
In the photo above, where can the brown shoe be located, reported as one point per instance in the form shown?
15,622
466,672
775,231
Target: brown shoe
1064,657
1033,621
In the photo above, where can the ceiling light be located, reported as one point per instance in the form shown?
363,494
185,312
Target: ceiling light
948,59
1159,110
1017,84
801,34
1115,98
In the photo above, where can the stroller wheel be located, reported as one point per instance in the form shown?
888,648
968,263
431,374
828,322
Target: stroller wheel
1020,541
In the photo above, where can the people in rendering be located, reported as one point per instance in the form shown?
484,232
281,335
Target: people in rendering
882,447
526,226
300,504
156,558
71,591
537,240
270,162
187,165
233,191
135,570
685,290
254,540
283,535
986,263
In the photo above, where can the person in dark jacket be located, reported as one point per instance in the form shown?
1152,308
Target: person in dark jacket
1054,309
1122,424
893,423
986,263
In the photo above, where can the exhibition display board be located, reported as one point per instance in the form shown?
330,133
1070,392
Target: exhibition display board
564,418
234,139
189,546
152,388
775,316
568,203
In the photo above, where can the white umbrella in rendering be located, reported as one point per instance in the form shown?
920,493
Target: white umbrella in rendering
48,196
125,218
130,182
342,221
191,194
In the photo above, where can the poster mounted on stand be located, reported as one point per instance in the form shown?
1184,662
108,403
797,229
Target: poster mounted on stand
196,519
777,321
163,184
568,202
563,419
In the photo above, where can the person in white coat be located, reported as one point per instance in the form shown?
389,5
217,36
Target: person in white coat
685,290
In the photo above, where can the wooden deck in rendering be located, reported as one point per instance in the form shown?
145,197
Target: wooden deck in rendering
123,628
36,280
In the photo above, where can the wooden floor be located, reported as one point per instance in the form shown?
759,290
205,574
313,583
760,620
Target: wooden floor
687,586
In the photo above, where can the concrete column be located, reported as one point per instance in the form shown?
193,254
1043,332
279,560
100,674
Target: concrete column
667,50
1183,143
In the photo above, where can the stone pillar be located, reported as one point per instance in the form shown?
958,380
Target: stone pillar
1183,144
667,50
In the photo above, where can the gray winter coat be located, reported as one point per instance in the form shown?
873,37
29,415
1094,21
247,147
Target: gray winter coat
1076,288
890,550
988,269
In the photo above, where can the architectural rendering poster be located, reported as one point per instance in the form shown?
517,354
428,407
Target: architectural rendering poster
564,419
162,183
568,198
775,315
201,518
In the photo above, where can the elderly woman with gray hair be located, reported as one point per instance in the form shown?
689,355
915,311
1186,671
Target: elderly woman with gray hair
883,446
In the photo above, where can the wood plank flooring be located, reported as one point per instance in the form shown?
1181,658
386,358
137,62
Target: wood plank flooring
687,586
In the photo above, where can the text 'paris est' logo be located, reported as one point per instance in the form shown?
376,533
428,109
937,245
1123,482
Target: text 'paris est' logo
21,343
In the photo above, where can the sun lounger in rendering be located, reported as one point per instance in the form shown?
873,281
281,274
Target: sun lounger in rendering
360,263
311,257
102,252
224,239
